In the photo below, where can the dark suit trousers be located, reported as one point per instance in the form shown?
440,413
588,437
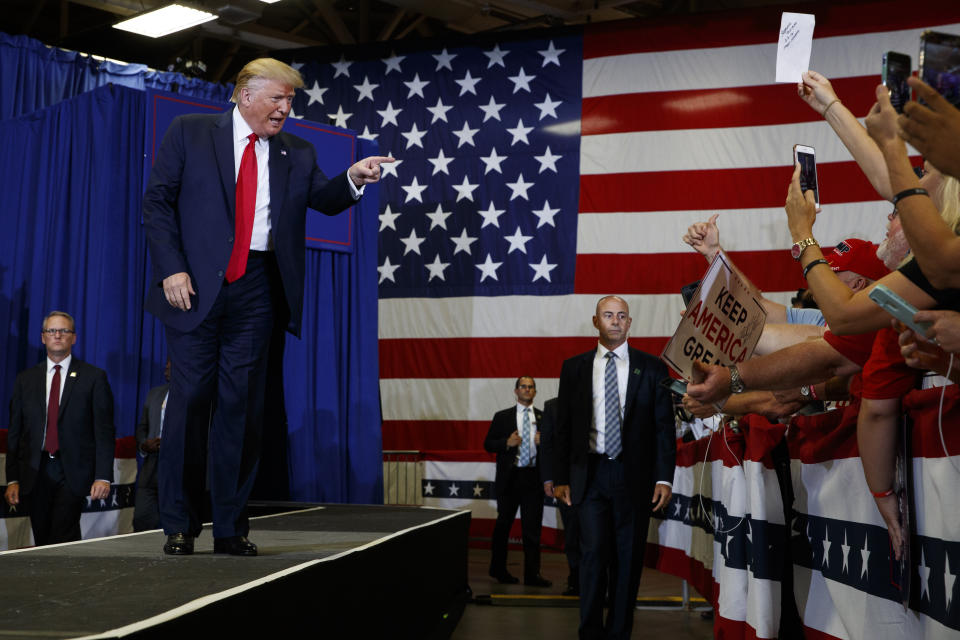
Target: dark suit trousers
217,383
146,506
571,541
613,534
54,509
523,489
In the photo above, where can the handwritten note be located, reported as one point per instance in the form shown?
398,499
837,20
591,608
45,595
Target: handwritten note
794,46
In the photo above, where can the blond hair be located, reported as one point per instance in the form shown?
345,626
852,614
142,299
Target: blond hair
948,197
256,71
62,314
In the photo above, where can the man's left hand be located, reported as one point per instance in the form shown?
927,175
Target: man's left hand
99,490
711,383
661,496
367,170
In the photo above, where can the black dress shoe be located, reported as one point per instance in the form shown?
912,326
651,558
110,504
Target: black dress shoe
235,546
504,577
571,591
537,581
178,544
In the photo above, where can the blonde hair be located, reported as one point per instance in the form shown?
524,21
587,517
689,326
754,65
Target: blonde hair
62,314
948,197
261,69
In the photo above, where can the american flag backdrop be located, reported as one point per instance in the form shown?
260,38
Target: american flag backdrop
535,175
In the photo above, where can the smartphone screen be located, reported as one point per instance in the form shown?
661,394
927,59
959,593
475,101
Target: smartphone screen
896,70
940,64
806,157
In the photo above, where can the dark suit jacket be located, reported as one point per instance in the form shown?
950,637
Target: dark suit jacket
147,428
86,433
503,424
188,212
648,430
548,428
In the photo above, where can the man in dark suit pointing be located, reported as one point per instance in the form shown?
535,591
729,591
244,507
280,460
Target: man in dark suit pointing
61,437
514,437
224,213
615,448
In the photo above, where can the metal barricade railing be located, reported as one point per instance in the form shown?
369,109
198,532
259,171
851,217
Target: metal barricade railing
402,477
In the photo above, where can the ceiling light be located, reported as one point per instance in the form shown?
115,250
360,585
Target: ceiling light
269,1
160,22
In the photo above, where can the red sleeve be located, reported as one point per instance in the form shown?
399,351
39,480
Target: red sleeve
886,375
855,348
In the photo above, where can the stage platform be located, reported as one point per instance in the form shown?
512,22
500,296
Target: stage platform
328,571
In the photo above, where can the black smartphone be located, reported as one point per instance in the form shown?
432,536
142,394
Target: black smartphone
687,291
806,157
939,64
679,387
896,70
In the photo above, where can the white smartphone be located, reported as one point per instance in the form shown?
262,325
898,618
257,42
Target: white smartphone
898,308
806,157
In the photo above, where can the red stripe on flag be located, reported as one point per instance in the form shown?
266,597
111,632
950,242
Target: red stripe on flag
707,189
489,357
422,435
651,273
715,108
677,563
760,26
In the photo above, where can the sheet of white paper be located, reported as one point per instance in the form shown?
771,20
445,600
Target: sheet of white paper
793,48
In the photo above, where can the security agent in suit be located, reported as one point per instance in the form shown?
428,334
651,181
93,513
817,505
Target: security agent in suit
222,284
568,514
146,510
61,437
513,436
616,448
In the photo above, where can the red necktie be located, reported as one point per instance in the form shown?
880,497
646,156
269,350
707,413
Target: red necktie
246,206
52,442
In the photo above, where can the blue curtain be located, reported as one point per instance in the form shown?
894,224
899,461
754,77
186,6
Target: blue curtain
71,178
331,374
34,76
72,182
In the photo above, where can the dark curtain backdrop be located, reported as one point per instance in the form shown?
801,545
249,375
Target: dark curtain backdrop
34,76
71,179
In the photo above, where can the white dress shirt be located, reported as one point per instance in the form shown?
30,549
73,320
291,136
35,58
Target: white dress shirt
622,361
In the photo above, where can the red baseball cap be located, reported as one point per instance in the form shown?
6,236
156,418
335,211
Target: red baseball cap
858,256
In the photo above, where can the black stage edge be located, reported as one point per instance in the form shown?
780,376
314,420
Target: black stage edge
331,571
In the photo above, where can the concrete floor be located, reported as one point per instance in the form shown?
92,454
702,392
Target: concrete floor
506,612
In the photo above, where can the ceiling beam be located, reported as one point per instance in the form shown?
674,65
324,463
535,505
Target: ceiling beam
391,25
334,21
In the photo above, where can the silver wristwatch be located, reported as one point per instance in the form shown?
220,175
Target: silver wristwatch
736,384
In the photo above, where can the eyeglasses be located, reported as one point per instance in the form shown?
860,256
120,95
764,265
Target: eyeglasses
58,332
893,215
526,386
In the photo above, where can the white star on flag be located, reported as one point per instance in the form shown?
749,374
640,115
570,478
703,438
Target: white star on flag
439,218
518,241
547,161
491,216
519,133
386,270
389,115
488,268
365,89
491,110
496,56
492,162
439,111
390,168
465,135
413,190
444,59
366,135
454,490
416,86
412,243
440,163
462,243
414,136
340,118
468,84
521,81
436,268
551,54
428,489
924,572
393,63
465,190
548,107
316,93
519,188
342,67
477,491
388,218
